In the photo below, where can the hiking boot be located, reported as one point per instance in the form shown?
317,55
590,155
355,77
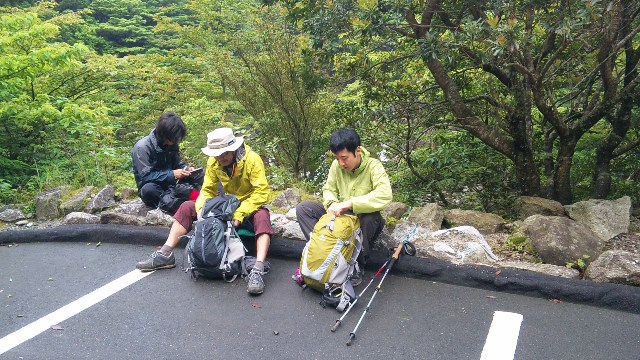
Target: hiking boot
157,261
356,277
255,284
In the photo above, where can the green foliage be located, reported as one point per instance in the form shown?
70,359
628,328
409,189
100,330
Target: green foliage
81,81
579,264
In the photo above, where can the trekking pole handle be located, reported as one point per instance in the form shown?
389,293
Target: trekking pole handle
396,254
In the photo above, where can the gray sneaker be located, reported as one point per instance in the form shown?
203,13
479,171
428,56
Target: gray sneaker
255,284
157,261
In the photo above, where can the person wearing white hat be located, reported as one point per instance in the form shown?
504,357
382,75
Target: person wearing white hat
240,171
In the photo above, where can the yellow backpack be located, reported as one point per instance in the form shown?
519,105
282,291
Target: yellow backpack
330,255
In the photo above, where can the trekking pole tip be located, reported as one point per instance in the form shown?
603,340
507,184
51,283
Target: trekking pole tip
351,337
335,326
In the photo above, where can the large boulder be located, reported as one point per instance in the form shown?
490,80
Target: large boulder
77,201
156,217
136,207
395,210
286,227
11,213
48,205
560,240
103,200
287,199
460,245
80,218
486,223
531,205
607,218
616,266
428,217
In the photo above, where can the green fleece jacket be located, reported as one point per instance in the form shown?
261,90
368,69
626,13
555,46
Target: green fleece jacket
367,187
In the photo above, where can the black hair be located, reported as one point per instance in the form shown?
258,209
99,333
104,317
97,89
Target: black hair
170,127
344,139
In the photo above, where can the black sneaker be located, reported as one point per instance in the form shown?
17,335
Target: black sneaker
156,261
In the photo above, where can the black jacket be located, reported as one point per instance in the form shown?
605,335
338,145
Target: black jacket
155,163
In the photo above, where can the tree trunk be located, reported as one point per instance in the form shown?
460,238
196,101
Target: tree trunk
517,146
561,190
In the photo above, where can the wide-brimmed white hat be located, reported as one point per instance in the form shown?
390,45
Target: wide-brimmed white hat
220,141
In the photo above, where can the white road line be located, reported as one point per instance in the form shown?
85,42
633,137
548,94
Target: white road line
18,337
503,336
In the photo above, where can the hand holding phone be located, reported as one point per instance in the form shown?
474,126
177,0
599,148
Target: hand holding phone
196,171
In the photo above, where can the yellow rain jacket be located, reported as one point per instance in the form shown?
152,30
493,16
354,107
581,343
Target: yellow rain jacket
248,183
367,187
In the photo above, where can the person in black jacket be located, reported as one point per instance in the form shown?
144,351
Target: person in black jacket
156,160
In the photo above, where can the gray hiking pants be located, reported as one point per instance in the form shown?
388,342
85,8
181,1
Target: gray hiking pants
309,212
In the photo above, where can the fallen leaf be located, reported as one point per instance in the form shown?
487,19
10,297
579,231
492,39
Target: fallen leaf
10,280
555,301
98,244
57,327
20,315
50,279
491,297
498,272
256,305
275,332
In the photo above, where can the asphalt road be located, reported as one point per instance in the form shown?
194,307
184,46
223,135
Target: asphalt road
166,315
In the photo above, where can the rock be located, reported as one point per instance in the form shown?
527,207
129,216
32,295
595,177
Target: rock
395,210
22,222
384,241
291,215
486,223
606,218
127,193
287,228
136,207
77,202
560,240
11,215
292,231
460,245
103,200
616,266
81,218
287,199
110,217
530,205
11,206
553,270
427,217
47,205
156,217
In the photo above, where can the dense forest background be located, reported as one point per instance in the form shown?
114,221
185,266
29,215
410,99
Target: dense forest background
468,103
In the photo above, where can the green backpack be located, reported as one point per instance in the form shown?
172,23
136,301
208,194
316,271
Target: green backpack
329,257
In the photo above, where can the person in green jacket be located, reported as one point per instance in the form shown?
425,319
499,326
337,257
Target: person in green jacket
239,171
356,183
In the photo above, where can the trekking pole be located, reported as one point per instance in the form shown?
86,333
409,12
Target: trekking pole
394,258
339,321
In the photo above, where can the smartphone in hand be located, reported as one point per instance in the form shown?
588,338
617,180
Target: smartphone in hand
196,171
